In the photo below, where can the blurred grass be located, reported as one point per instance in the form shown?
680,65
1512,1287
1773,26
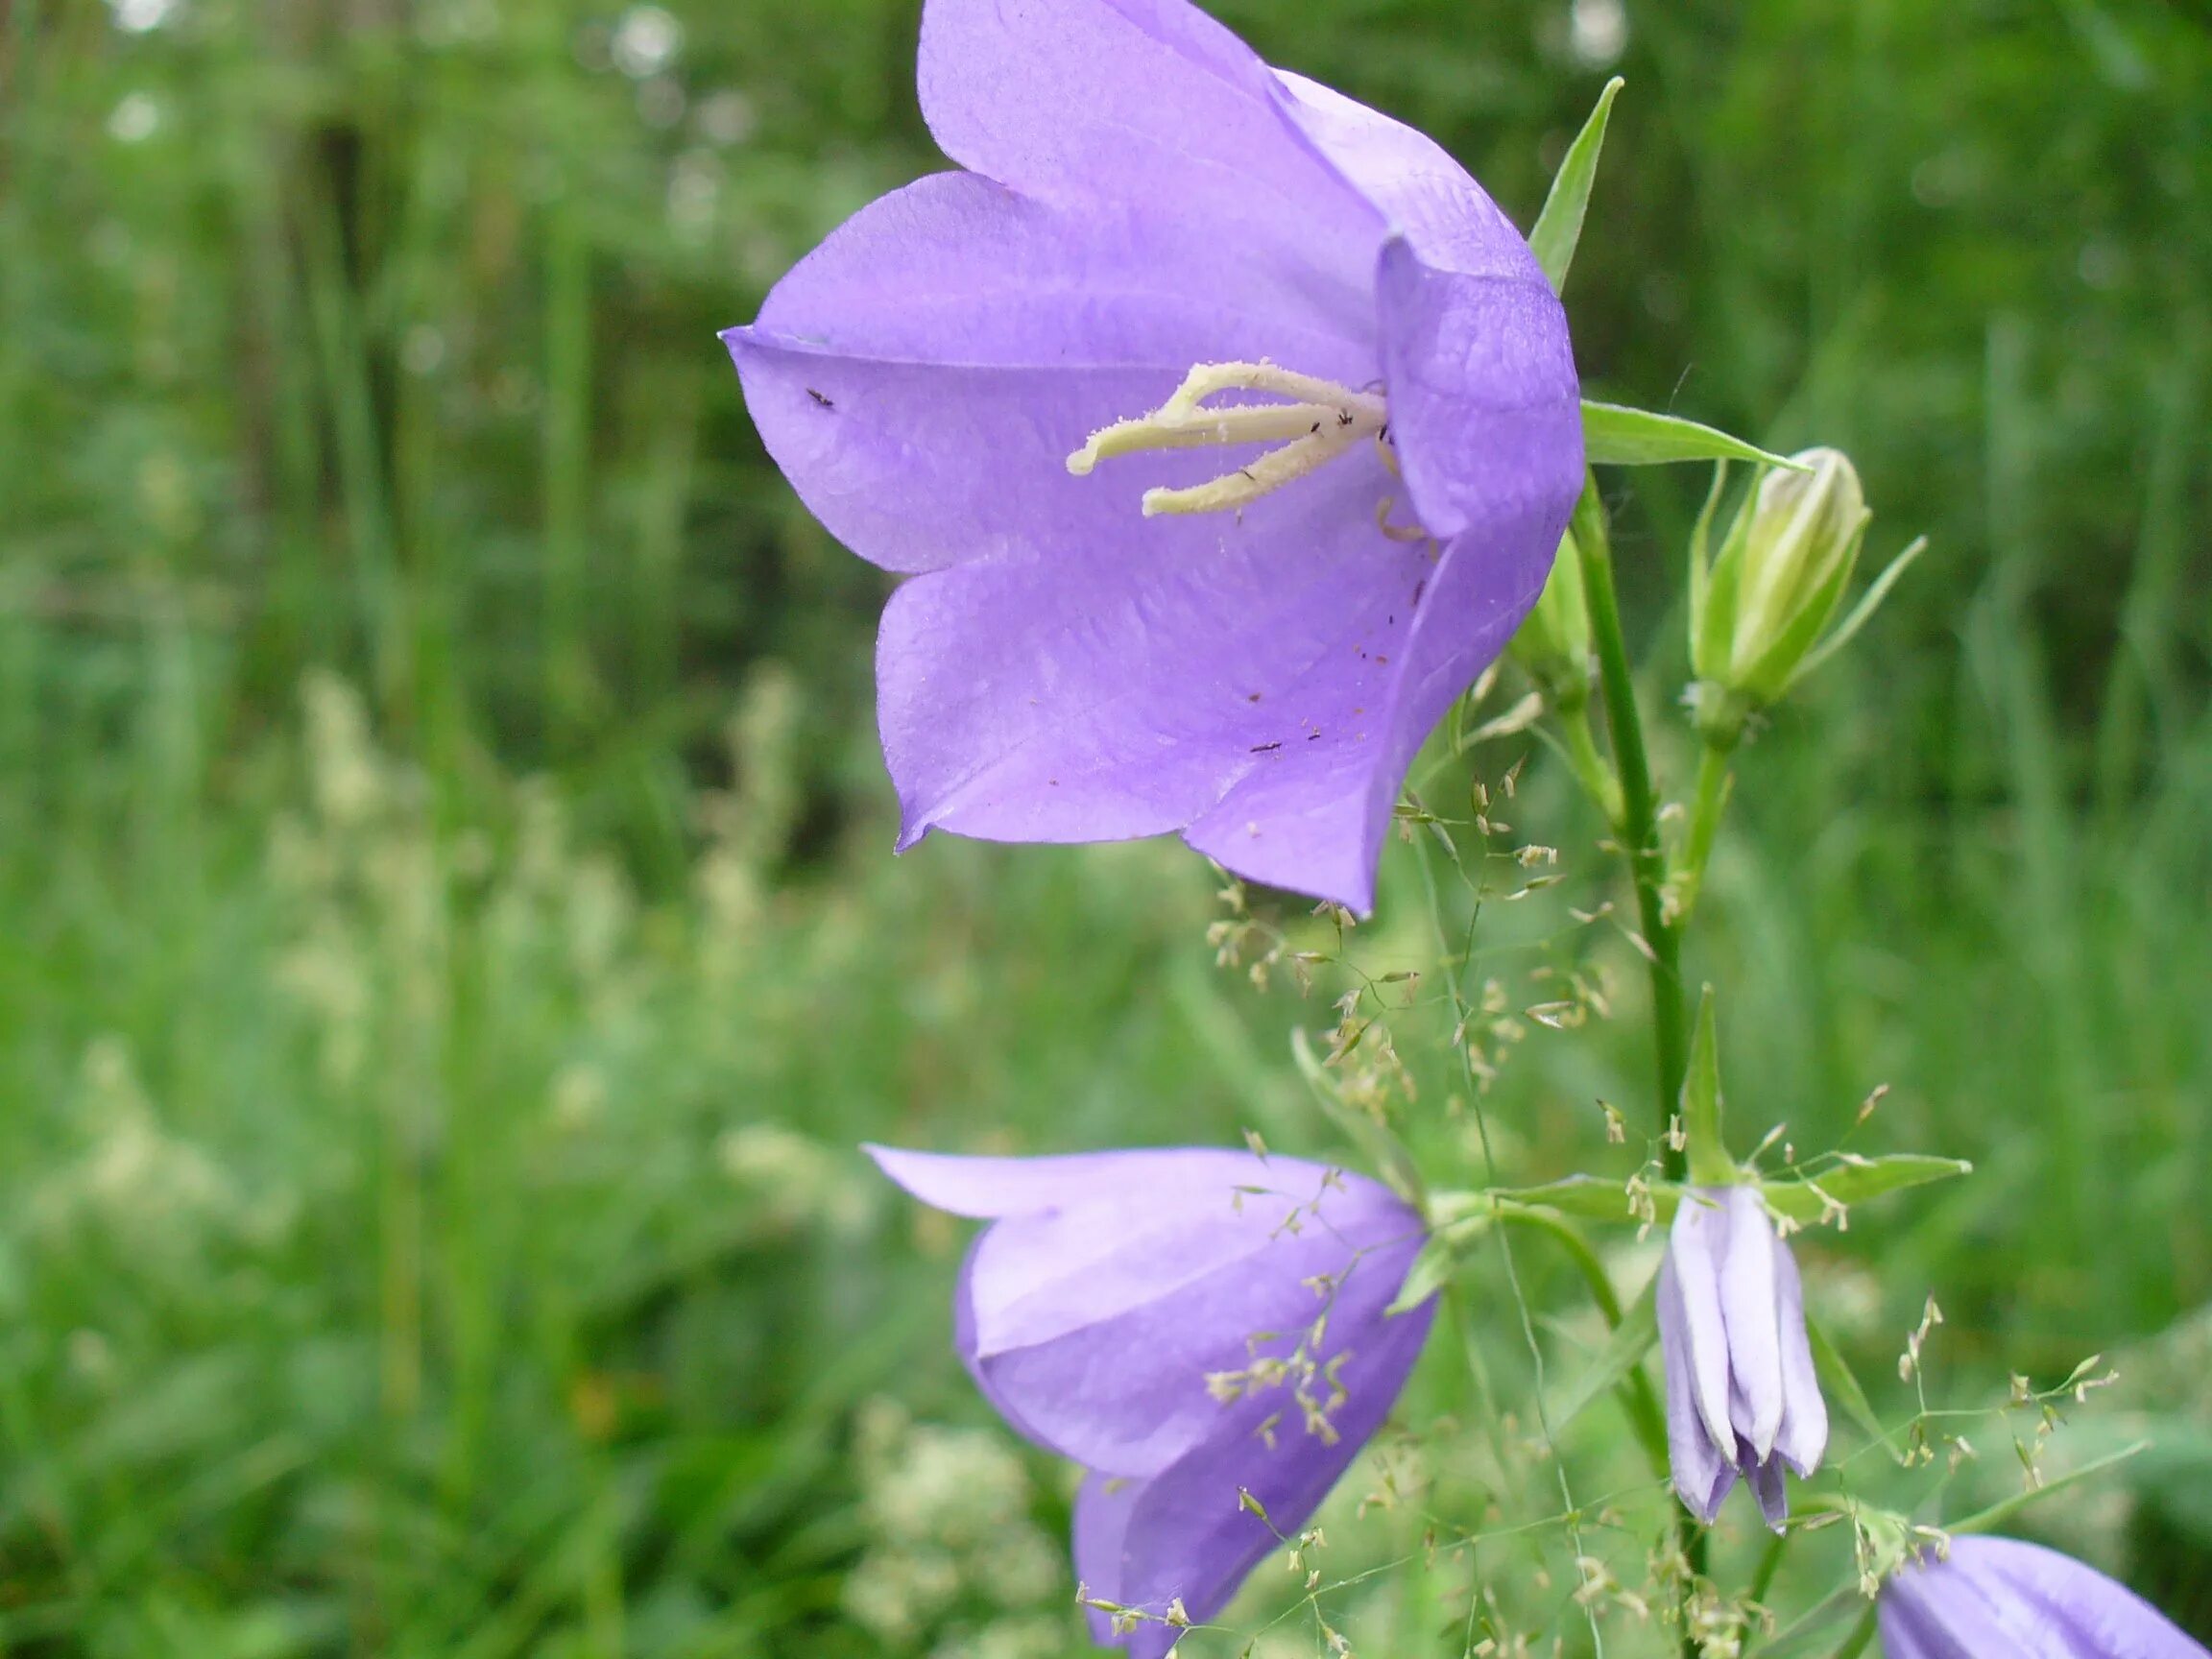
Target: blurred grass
449,950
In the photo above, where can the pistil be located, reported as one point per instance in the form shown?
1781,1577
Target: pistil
1317,422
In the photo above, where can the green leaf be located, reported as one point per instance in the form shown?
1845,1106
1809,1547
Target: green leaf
1701,565
1867,605
1839,1383
1631,1340
1854,1180
1432,1269
1615,436
1709,1164
1384,1151
1574,1195
1559,227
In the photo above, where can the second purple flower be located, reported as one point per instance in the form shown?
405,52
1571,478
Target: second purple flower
1226,427
1206,1331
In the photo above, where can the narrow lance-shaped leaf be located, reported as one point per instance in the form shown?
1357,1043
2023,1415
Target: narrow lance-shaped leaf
1701,563
1709,1164
1631,1340
1854,1179
1617,436
1870,603
1559,227
1841,1386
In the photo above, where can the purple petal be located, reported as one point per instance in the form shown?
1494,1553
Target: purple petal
1952,1609
994,1187
1153,100
1702,1475
1697,1246
1240,680
1803,1435
1907,1632
1749,1308
922,375
2102,1619
1092,1313
1415,186
1107,1359
1766,1480
1484,409
1184,1533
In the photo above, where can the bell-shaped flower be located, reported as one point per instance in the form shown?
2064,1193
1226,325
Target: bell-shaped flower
1208,1332
1224,427
1984,1597
1742,1396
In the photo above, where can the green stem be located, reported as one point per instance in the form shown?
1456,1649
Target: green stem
1579,745
1714,783
1861,1633
1648,866
1639,811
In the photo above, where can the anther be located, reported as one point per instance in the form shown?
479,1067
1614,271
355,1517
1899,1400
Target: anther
1318,422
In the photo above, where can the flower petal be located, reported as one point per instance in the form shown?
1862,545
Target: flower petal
1417,190
1238,678
922,375
994,1187
1750,1309
1702,1475
1486,408
1764,1479
2103,1619
1097,1328
1803,1435
1697,1246
1953,1608
1150,100
1185,1533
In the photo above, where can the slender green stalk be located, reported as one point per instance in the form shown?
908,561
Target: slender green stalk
1638,832
1638,810
1577,744
1710,805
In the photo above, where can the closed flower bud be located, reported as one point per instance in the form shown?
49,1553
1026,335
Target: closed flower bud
1742,1396
1554,644
1757,616
1991,1595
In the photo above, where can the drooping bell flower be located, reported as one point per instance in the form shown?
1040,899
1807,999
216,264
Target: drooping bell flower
1206,1331
1742,1396
1224,427
1984,1597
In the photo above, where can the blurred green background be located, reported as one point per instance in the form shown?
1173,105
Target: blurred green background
448,946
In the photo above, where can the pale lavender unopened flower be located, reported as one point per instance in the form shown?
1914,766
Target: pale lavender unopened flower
1192,1326
1225,426
1988,1596
1742,1396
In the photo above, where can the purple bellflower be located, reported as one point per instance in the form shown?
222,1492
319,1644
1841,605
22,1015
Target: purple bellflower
1988,1596
1742,1396
1192,1326
1225,427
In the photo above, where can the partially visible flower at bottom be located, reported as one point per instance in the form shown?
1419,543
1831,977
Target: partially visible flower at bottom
1987,1597
1742,1396
1206,1331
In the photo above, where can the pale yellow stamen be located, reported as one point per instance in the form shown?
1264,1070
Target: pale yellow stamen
1319,421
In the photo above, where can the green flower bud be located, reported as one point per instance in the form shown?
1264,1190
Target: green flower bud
1554,644
1759,615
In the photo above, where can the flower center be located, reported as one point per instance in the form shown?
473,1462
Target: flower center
1317,422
